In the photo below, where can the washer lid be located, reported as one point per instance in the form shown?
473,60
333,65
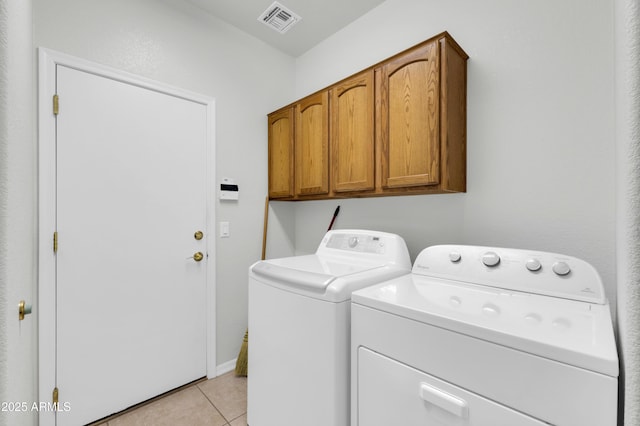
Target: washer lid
311,271
569,331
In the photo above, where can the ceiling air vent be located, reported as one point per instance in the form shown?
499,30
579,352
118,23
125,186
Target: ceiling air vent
279,18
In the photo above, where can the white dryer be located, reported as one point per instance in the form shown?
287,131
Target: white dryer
486,337
299,326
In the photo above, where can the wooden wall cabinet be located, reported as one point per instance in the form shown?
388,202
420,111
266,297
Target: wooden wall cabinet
409,119
281,154
421,119
312,145
396,128
299,149
352,134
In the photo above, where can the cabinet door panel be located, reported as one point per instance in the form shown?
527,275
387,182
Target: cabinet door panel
352,138
281,154
410,119
312,145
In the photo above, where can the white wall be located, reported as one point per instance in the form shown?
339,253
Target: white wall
540,130
18,373
540,127
627,14
173,42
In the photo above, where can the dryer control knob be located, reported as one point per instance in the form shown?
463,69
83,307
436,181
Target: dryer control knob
455,257
490,259
353,241
533,265
561,268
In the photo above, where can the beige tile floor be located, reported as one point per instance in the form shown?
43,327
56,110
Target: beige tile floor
221,401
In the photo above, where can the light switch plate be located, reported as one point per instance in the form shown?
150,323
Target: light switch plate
224,229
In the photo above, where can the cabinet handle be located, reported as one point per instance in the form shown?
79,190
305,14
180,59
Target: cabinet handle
444,400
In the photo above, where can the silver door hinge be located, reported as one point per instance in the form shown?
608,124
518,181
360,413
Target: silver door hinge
55,242
56,105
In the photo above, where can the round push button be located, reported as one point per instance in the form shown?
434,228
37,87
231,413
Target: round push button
490,259
561,268
490,310
454,256
353,241
533,318
533,265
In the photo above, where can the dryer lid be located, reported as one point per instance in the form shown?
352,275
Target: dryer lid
569,331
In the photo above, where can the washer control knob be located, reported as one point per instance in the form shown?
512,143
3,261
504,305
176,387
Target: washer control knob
455,257
353,241
561,268
490,259
533,265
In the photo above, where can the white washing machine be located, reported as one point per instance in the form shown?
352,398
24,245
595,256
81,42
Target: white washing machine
486,337
299,326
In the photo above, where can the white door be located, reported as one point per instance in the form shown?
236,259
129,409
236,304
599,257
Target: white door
131,194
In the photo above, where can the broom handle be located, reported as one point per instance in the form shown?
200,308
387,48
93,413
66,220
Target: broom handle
264,229
333,219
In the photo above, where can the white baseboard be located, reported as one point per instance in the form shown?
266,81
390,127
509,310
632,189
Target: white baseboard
225,367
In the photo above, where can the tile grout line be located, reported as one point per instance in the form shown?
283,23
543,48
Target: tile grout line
214,405
236,418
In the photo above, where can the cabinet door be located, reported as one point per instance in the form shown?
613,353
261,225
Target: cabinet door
408,87
312,145
352,138
281,154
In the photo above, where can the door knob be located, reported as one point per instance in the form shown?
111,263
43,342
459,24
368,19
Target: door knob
198,235
198,256
23,309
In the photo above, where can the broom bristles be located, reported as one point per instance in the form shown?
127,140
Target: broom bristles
242,363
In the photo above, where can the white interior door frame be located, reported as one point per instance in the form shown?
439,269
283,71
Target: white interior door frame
45,308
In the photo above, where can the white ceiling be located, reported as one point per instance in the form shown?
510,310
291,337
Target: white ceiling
320,19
